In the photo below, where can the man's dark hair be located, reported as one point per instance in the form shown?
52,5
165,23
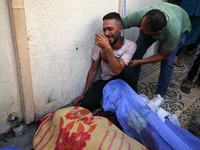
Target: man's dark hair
113,15
156,19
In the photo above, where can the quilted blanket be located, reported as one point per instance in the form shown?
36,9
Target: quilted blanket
74,128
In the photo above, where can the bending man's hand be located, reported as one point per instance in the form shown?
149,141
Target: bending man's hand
102,41
134,63
77,101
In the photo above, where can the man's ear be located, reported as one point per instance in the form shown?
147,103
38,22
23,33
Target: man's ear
121,28
157,32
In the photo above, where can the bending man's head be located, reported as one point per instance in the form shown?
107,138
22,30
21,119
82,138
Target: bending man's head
153,22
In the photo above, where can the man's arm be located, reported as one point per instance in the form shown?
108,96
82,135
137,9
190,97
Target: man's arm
155,58
133,19
90,78
116,66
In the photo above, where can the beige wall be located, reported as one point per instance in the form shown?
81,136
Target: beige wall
9,88
60,40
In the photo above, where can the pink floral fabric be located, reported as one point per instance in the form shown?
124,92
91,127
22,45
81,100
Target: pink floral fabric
75,128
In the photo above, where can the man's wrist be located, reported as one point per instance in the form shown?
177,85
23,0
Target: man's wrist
109,50
140,61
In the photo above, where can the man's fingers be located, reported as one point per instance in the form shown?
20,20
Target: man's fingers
130,63
79,103
97,36
75,102
103,35
97,43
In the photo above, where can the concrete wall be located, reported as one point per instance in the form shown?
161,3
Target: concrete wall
60,40
9,89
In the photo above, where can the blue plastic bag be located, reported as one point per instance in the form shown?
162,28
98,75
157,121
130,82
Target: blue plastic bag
10,148
141,123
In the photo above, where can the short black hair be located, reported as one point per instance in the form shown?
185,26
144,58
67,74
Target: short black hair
156,19
113,15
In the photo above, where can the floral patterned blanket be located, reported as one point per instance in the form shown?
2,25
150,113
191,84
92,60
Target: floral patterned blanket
75,128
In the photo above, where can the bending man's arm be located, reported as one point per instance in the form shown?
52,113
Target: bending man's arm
117,66
90,78
155,58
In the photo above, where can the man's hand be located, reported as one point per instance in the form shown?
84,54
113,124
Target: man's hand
162,55
77,101
134,63
102,41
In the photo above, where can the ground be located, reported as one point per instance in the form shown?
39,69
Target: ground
24,142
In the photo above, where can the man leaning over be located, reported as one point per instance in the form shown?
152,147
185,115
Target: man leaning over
166,23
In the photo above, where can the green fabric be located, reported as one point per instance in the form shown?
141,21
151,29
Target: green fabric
178,22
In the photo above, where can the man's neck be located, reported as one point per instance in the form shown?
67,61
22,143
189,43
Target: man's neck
118,44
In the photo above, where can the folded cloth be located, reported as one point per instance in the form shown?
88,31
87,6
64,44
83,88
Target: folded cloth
162,114
74,128
140,122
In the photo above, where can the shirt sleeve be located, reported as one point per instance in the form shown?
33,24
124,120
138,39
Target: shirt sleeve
130,50
96,53
134,19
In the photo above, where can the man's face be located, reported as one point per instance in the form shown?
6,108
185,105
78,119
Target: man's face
111,30
146,29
